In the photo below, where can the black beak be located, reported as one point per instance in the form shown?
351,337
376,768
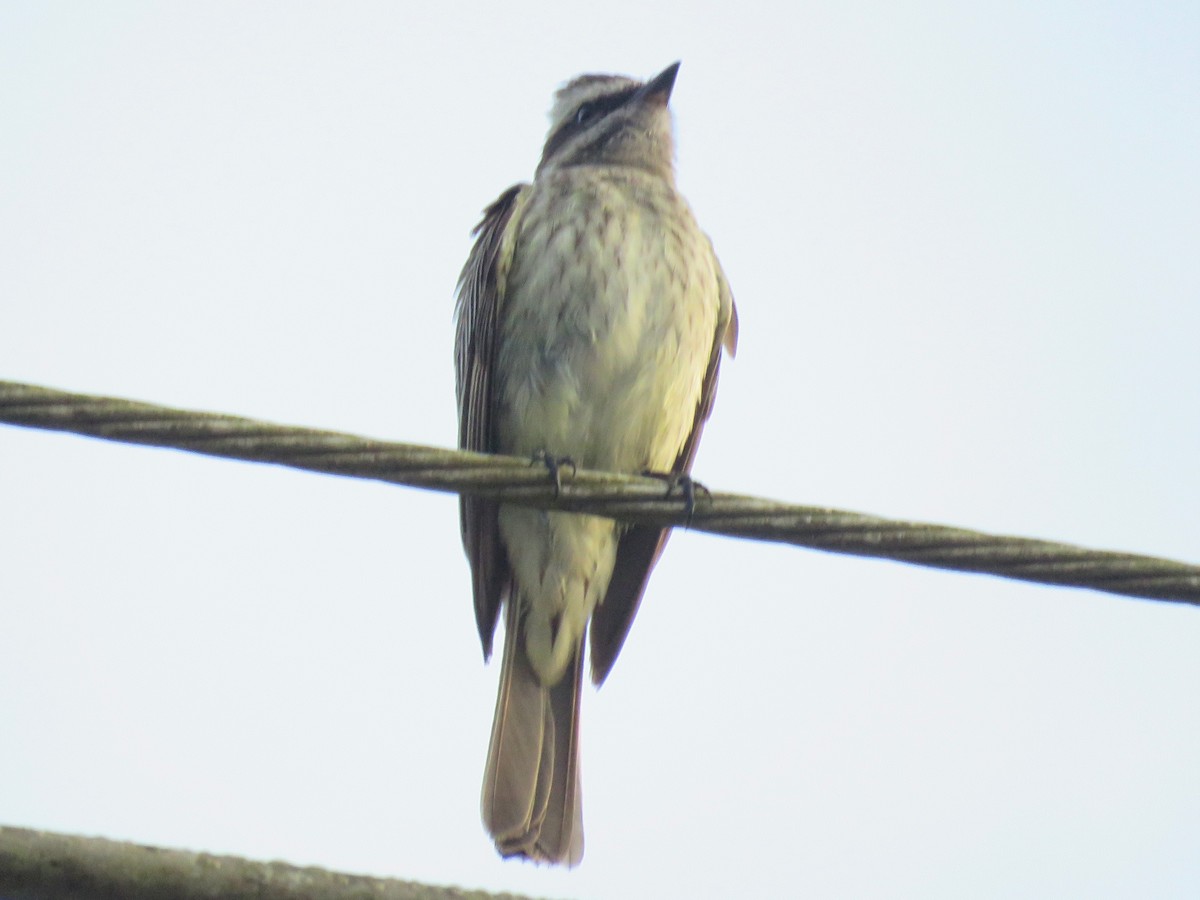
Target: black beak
658,88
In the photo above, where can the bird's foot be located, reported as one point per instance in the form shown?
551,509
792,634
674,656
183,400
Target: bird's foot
684,482
554,465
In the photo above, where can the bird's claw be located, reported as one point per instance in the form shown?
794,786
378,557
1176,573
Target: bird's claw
554,465
685,483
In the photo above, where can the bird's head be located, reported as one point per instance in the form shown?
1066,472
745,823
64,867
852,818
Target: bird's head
611,120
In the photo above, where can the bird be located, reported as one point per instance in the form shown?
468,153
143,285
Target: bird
590,320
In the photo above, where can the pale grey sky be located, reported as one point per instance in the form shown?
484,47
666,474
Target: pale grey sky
964,246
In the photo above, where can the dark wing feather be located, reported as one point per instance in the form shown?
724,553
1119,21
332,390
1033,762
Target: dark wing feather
640,547
477,312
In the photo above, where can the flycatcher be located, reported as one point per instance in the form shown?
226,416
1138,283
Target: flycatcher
590,320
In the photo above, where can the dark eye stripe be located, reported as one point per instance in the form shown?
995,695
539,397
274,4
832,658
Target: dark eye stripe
601,106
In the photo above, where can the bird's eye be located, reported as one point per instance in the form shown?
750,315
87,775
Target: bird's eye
584,113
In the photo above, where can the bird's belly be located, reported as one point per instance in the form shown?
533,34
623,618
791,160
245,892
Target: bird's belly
607,328
608,331
604,402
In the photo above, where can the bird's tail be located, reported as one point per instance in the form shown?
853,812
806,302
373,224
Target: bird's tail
531,796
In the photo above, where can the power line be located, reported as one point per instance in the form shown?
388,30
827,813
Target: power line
42,864
624,497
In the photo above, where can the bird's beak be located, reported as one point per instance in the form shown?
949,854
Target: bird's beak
658,88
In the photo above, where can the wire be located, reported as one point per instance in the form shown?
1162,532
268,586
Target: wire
623,497
42,864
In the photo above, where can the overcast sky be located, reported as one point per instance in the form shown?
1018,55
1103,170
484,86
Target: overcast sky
965,244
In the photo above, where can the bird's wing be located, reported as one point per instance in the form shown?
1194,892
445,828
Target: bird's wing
640,546
477,314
